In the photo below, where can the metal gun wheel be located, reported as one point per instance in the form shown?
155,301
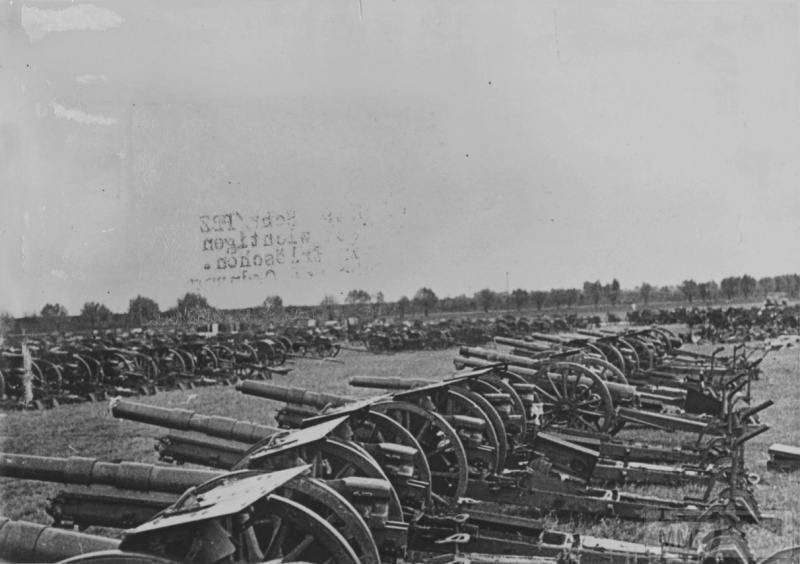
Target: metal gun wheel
336,510
499,382
645,350
493,418
614,356
330,459
451,403
440,443
605,369
170,360
290,532
574,396
632,361
189,360
374,428
117,557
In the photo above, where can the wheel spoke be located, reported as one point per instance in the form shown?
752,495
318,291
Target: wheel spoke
423,429
299,549
342,470
278,534
587,403
546,394
553,384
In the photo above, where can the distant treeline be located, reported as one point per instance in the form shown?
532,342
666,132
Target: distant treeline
194,308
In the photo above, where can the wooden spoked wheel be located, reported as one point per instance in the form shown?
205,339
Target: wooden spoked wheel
117,557
574,396
373,428
189,360
604,369
145,365
501,381
440,442
632,360
494,419
452,403
336,510
614,356
289,532
330,459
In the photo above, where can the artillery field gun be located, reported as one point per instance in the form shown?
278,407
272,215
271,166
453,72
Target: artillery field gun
427,470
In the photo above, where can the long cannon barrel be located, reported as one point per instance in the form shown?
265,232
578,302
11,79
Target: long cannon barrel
494,356
388,383
88,471
292,395
187,420
547,338
520,344
23,542
588,333
619,392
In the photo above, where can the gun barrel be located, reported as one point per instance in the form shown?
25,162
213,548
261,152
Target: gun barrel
587,333
755,409
494,356
187,420
547,338
753,433
291,395
619,392
521,344
86,471
21,541
388,383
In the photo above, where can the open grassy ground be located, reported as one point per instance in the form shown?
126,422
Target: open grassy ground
89,430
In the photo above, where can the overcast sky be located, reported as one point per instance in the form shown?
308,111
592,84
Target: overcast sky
416,143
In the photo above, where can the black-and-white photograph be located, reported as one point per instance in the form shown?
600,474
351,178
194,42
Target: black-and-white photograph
399,282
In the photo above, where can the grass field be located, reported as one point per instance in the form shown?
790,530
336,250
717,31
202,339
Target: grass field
89,430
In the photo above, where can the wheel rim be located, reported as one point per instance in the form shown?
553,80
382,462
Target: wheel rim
336,510
440,443
376,427
455,402
295,533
